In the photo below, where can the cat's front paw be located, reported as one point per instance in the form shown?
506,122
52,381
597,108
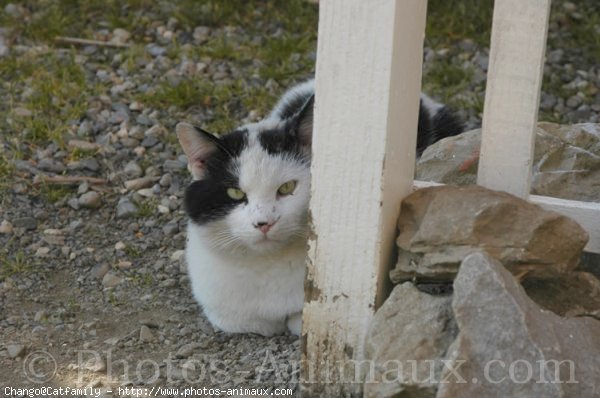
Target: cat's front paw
265,328
294,323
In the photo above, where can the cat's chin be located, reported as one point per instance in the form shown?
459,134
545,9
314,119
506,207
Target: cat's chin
266,246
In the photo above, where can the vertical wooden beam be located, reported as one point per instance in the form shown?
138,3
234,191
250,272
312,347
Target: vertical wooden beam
368,79
512,95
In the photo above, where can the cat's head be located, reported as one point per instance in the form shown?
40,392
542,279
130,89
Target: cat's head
251,186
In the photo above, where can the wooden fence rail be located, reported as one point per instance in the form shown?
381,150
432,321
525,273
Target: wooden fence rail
367,84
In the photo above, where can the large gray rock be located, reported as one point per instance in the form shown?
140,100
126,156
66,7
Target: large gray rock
407,336
566,161
440,226
509,347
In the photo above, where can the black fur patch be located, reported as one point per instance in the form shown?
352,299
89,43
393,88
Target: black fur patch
445,123
283,140
206,200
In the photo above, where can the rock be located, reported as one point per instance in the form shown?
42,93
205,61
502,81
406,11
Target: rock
54,237
83,145
566,161
186,350
6,227
111,280
139,183
125,208
171,228
73,203
42,252
83,188
201,34
39,316
120,245
149,141
146,334
15,350
84,129
574,294
163,210
177,255
22,112
132,169
136,106
146,193
51,165
509,347
28,223
120,36
440,226
166,180
155,50
99,270
90,200
96,364
409,326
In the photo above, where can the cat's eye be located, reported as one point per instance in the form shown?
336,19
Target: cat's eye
235,194
287,188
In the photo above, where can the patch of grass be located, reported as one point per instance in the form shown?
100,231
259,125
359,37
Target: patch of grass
132,251
58,96
447,78
450,21
13,264
114,300
579,36
55,193
78,154
147,208
187,93
144,280
50,18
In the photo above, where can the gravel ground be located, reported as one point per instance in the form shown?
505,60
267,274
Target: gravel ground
91,272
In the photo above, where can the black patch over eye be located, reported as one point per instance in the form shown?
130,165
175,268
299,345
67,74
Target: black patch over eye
207,200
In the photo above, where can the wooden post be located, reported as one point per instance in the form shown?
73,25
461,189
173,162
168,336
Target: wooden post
512,95
368,79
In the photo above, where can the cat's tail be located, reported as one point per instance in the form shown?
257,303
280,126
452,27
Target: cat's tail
436,121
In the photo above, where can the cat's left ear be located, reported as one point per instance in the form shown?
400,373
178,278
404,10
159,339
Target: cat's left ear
304,122
198,145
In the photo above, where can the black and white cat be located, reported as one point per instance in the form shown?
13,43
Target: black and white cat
248,207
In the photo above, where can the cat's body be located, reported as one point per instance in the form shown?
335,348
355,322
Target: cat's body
248,207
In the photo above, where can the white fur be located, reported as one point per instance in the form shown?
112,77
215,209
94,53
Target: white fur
244,282
303,89
432,106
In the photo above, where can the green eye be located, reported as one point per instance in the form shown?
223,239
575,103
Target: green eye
287,188
235,194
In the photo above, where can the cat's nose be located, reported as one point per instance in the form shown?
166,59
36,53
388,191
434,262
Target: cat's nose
264,226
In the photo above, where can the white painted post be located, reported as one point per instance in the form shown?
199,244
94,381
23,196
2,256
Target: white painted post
512,96
368,81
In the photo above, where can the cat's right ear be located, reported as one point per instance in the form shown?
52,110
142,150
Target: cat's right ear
198,145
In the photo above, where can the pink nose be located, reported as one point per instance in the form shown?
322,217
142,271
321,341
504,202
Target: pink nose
264,226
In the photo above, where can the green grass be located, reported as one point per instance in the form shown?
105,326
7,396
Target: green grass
58,96
451,20
13,264
273,40
132,251
55,193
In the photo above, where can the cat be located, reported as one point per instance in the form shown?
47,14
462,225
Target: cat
248,210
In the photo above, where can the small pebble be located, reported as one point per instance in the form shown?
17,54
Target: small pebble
6,227
111,280
90,200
